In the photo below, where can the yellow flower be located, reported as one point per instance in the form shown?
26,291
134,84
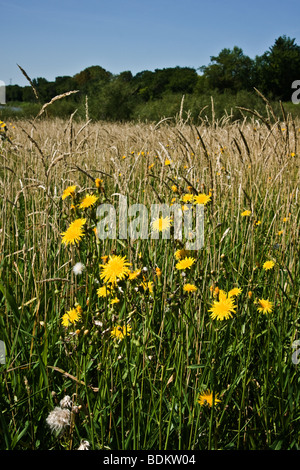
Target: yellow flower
88,201
69,191
265,306
246,213
147,286
74,232
71,317
167,162
161,224
134,274
119,332
280,232
268,265
223,308
208,398
185,263
158,271
174,188
115,268
234,292
202,198
250,293
180,254
189,288
115,301
103,291
98,182
187,198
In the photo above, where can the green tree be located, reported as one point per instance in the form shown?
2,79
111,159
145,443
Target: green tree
230,70
277,68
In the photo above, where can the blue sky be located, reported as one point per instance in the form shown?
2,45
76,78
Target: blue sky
62,37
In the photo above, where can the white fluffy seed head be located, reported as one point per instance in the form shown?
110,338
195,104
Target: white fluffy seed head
78,268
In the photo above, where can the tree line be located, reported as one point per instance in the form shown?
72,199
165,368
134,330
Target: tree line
231,76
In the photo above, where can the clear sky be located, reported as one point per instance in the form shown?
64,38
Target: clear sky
50,38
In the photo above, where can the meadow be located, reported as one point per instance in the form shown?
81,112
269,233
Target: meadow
138,344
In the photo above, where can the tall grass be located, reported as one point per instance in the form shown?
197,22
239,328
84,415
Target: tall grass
142,392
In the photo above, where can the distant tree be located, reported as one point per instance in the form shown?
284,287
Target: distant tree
95,73
230,70
277,68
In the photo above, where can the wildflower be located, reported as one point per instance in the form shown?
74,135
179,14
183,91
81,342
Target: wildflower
189,288
250,293
119,332
268,265
187,198
280,232
84,445
167,162
185,263
202,198
265,306
98,182
71,317
78,268
88,201
66,402
174,188
74,233
69,191
234,292
161,224
246,213
115,301
59,419
208,398
115,268
158,271
134,274
180,254
103,291
147,286
223,308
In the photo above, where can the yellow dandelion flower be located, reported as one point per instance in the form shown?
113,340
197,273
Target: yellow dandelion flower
116,268
223,308
69,191
280,232
167,162
174,188
265,306
185,263
250,293
71,317
103,291
246,213
187,198
74,232
189,288
119,332
268,265
234,292
134,274
161,224
180,254
115,301
88,201
208,398
202,198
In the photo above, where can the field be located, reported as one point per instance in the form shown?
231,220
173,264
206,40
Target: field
181,350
